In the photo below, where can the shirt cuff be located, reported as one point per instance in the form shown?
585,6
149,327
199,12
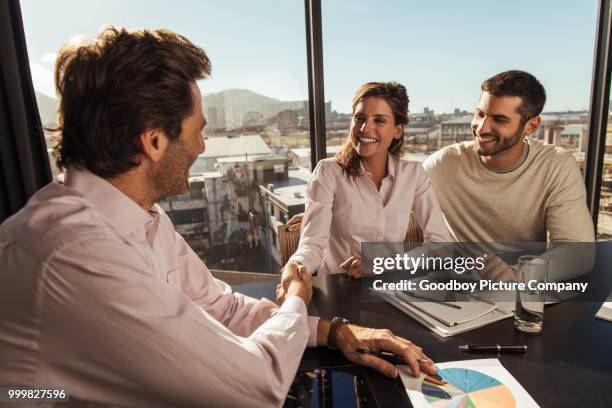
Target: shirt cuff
294,304
313,326
303,261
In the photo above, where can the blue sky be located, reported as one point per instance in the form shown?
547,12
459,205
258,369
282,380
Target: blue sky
440,50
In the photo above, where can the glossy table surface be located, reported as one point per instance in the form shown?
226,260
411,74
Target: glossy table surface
568,365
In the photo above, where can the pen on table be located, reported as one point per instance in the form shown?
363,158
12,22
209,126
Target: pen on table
510,348
395,359
440,302
391,357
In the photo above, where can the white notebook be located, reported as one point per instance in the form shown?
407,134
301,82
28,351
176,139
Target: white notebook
449,313
502,310
605,312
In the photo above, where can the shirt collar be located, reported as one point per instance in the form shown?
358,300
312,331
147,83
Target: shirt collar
123,212
392,163
392,166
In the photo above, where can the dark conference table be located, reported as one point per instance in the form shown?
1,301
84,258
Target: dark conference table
568,365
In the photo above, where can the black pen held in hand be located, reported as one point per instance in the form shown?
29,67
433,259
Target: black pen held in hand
392,357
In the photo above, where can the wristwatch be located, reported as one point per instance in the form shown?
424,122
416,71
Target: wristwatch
335,324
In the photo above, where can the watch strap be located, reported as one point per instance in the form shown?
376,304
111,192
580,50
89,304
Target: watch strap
335,324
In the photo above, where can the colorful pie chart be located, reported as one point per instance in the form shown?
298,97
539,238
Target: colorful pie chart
467,389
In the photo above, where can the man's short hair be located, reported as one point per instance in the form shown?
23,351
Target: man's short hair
521,84
118,86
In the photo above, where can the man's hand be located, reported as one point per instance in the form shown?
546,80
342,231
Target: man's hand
352,267
497,270
295,223
351,337
295,281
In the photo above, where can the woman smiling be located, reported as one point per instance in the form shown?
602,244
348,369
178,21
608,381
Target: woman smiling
366,193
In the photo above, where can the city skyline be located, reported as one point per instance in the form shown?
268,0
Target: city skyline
407,42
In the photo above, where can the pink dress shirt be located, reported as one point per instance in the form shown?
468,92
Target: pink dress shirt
106,300
343,212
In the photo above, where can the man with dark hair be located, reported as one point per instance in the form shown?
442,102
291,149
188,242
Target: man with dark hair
505,186
98,293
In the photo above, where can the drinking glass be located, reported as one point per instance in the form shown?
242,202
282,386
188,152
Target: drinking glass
529,308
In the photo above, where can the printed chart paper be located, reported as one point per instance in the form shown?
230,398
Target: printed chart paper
470,384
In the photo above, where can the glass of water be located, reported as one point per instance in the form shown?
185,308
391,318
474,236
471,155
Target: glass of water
529,309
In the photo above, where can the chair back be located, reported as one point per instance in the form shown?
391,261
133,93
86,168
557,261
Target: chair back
414,233
287,243
288,240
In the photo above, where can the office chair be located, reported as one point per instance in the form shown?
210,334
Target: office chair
414,233
287,243
288,240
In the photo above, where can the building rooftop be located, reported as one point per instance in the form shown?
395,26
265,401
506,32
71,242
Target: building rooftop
467,119
224,146
201,176
305,151
575,129
554,116
292,191
413,130
249,158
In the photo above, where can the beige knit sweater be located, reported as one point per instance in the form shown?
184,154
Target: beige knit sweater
544,195
542,199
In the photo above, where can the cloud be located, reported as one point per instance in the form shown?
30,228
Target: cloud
49,58
43,80
79,39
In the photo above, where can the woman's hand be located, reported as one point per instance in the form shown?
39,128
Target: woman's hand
352,267
295,223
295,281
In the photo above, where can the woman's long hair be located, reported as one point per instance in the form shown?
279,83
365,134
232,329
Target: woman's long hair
397,98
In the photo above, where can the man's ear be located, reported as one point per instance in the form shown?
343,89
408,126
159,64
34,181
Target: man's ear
154,143
532,125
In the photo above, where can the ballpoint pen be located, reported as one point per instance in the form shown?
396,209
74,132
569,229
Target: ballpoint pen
494,348
392,357
395,359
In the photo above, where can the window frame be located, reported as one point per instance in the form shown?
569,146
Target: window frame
599,109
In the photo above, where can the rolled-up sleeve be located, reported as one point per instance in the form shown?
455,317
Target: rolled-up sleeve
114,330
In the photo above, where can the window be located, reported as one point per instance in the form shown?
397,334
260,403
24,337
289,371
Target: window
442,51
604,218
189,216
258,138
256,105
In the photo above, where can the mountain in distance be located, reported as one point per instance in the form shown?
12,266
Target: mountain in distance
229,107
48,107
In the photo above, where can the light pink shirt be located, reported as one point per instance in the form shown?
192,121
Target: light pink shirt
106,300
343,212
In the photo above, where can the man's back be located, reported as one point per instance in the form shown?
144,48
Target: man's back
103,299
545,194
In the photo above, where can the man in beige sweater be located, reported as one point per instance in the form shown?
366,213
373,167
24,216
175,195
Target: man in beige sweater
504,186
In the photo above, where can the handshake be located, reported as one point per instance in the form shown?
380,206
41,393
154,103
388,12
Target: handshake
295,281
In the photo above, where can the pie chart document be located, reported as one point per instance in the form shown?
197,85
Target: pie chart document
481,383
